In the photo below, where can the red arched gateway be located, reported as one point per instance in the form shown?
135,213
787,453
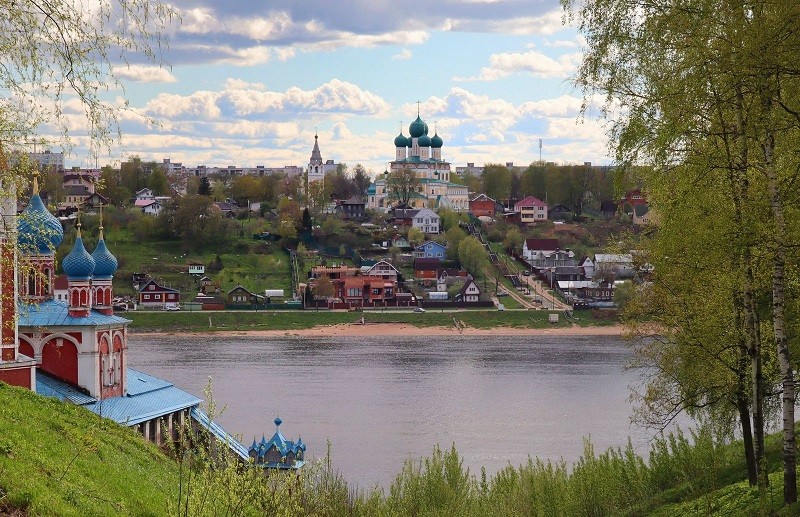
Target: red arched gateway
60,359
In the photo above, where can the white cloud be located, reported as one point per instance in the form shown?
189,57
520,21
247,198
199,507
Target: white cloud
402,55
548,23
239,84
198,105
533,62
559,107
145,74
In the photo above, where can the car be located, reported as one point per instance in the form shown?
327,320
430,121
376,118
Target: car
419,309
526,273
172,308
502,293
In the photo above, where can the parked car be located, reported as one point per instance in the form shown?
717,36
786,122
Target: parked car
526,273
172,308
419,309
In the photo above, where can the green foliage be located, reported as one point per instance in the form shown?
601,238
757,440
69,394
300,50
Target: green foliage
472,255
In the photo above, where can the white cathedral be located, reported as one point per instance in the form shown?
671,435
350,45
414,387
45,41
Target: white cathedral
423,155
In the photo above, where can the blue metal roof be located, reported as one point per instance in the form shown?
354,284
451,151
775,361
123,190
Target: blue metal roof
55,313
200,416
51,387
151,397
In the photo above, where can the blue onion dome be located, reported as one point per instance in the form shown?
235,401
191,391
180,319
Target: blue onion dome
78,264
105,264
436,141
400,141
278,421
424,141
39,231
417,128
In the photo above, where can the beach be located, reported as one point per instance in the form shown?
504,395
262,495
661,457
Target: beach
403,329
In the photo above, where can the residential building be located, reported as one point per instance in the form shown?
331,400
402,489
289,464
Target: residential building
154,295
430,249
545,253
469,293
531,210
643,215
426,220
613,266
482,206
352,208
426,268
383,269
240,296
48,160
364,289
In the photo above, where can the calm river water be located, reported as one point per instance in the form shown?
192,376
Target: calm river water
381,400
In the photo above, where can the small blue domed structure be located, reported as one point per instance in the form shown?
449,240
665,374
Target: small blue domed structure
105,264
278,421
437,141
400,141
39,231
424,141
78,264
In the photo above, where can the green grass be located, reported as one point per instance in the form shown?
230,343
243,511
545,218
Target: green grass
295,320
59,459
256,265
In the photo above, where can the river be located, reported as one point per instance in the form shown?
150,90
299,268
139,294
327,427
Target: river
381,400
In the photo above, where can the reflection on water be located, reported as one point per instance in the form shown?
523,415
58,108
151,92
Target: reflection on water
380,400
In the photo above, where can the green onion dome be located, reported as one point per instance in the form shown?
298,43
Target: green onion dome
417,128
436,141
400,141
424,141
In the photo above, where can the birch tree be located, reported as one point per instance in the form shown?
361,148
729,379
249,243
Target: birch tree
712,86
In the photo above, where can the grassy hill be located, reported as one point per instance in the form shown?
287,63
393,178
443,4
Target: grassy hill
59,459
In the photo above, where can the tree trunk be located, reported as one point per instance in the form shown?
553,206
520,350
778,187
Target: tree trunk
744,417
779,325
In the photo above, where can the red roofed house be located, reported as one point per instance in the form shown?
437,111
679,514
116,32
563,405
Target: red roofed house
426,267
153,295
364,289
531,210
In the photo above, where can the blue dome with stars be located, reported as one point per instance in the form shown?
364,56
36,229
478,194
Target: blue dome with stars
39,231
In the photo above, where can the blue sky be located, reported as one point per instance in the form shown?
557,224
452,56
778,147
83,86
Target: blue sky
250,82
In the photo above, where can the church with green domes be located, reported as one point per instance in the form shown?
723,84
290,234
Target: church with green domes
422,154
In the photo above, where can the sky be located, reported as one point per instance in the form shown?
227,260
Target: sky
250,83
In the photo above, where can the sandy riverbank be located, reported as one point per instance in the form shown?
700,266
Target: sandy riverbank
402,329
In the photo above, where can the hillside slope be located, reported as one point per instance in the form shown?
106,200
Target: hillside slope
59,459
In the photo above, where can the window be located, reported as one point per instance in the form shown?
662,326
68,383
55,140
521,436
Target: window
147,297
152,288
